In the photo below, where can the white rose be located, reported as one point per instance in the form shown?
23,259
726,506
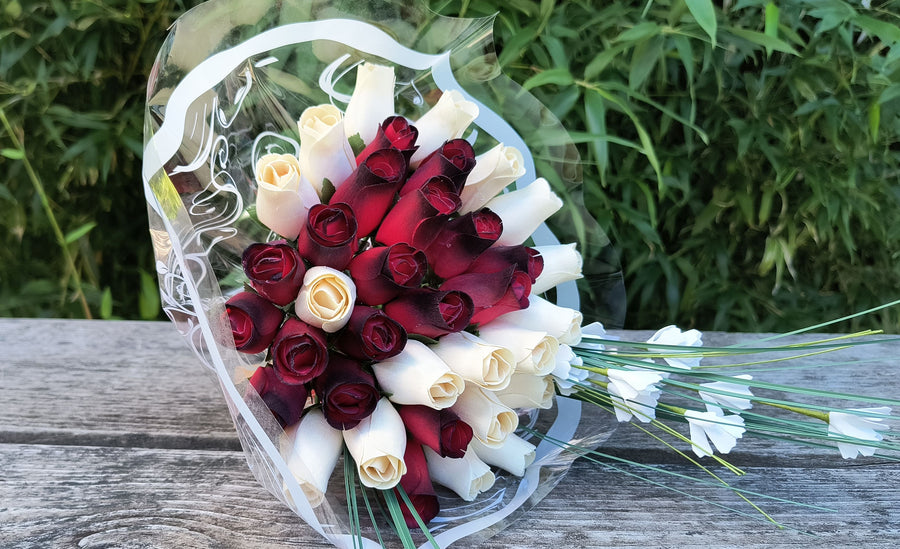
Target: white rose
562,323
514,456
284,197
493,171
533,350
372,101
491,421
562,263
311,449
523,210
489,366
418,376
326,298
325,152
528,391
377,445
446,120
468,476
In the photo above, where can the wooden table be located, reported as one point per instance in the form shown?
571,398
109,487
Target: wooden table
113,435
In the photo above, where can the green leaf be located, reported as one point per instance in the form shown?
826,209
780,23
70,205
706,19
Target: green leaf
763,40
646,55
75,234
882,29
771,27
106,304
874,121
356,144
559,76
639,32
595,117
327,190
148,299
705,14
12,154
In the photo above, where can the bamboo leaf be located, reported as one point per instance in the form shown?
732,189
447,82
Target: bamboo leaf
705,14
75,234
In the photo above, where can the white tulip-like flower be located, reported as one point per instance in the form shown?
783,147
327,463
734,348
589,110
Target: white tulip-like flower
487,365
377,445
325,152
326,298
311,449
723,431
493,171
533,351
372,101
528,391
283,196
630,383
862,427
514,456
566,372
523,210
642,406
468,476
727,401
418,376
446,120
562,263
562,323
491,421
672,335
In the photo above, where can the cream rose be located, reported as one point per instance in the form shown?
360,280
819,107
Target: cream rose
326,298
325,152
377,445
533,350
493,171
523,210
372,101
491,421
487,365
514,456
311,449
468,476
562,323
446,120
562,263
528,391
283,196
418,376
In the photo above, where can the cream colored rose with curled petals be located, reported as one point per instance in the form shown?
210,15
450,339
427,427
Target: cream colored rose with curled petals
283,195
325,152
326,299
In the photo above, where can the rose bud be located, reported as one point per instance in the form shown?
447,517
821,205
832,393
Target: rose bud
455,159
563,263
383,272
514,456
395,132
440,430
467,476
326,299
491,421
498,258
299,353
484,364
524,209
493,294
325,152
311,450
419,216
528,391
534,350
377,446
431,313
418,376
462,240
254,321
283,196
371,189
417,485
372,100
371,335
328,238
275,270
285,401
562,323
447,119
493,171
347,391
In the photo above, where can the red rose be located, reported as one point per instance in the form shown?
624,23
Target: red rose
381,273
275,270
418,487
419,216
462,240
394,132
498,258
440,430
254,321
299,353
371,189
431,313
285,401
329,237
455,159
493,294
347,392
371,335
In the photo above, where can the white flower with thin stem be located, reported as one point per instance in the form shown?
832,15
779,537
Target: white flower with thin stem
642,405
863,425
568,371
630,383
714,396
672,335
722,430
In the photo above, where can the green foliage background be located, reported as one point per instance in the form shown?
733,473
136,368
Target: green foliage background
743,155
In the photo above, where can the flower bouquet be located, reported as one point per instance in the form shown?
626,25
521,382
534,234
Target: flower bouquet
348,207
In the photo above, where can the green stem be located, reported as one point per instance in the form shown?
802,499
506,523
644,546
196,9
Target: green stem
815,414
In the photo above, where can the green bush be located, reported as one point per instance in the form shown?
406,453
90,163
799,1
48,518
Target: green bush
743,155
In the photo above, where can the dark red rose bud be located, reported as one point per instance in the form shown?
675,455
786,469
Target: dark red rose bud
299,353
275,270
329,238
455,159
431,313
371,189
395,132
419,216
347,391
462,240
285,401
381,273
440,430
371,335
493,294
499,258
418,487
254,321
